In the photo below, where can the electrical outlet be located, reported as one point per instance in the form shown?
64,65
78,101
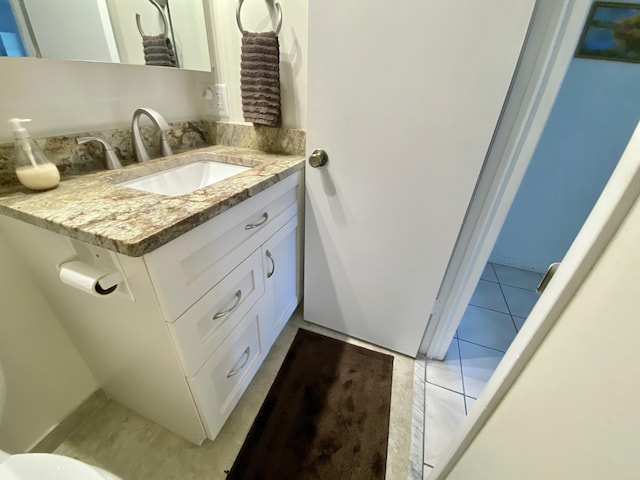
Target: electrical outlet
222,100
210,100
216,100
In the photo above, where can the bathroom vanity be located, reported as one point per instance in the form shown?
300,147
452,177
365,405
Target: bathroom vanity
209,278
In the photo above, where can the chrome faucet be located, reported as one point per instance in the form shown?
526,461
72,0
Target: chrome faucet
139,151
110,156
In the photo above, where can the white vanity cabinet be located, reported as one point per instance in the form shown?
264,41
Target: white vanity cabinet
226,289
184,334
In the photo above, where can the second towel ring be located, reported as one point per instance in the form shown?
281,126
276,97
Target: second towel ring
278,9
165,29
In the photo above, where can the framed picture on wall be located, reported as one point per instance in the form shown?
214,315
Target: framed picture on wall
612,32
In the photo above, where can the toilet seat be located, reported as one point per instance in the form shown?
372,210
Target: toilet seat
36,466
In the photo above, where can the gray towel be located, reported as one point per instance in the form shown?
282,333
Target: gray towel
260,78
158,50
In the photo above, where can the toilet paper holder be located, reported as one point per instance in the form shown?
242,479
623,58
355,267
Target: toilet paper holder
89,278
95,271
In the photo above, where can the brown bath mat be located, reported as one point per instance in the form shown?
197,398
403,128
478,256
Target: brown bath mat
326,415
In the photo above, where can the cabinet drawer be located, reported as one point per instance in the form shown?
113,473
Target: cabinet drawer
186,268
202,328
220,384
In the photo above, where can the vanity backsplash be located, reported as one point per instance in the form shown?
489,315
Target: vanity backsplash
73,159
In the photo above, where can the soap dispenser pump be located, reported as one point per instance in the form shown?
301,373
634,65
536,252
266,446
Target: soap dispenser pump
32,168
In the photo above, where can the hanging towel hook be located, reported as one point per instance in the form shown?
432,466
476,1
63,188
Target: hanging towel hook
165,28
278,10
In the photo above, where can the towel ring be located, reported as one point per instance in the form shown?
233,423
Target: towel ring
162,15
278,9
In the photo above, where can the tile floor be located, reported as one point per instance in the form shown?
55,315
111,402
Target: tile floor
497,310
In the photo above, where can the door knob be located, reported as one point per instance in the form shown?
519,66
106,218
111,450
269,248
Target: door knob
318,158
547,277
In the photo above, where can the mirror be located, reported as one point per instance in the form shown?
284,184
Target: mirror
107,31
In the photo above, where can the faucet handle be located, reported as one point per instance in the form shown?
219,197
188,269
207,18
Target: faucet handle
111,157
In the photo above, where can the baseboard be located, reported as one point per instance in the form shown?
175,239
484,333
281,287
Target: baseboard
416,454
70,423
514,262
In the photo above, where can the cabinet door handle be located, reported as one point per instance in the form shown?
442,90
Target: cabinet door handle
265,217
243,359
273,264
224,313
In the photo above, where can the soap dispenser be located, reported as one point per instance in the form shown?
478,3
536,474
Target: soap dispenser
32,168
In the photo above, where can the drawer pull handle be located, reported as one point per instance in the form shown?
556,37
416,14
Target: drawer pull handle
244,359
235,305
265,217
273,264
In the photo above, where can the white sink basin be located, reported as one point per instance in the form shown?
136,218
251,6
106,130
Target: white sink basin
185,179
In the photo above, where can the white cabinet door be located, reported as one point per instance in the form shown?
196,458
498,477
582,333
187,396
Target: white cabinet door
404,97
282,265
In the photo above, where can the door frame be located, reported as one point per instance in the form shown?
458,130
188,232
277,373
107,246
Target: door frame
620,194
549,46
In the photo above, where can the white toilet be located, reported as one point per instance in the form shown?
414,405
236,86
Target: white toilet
37,466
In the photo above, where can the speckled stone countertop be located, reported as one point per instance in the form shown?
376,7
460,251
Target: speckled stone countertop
94,209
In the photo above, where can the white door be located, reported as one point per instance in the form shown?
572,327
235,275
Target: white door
73,29
404,97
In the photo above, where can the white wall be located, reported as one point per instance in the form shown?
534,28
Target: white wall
66,97
573,412
592,119
293,53
45,378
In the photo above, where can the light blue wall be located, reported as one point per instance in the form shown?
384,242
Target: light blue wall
596,111
7,23
8,27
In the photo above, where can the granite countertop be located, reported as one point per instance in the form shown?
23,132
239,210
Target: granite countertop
94,209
